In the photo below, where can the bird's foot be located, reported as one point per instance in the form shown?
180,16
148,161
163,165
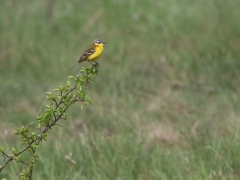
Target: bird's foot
96,64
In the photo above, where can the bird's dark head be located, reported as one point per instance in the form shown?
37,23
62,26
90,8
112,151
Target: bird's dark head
98,42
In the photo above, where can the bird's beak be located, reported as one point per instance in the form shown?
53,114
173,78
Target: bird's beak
104,43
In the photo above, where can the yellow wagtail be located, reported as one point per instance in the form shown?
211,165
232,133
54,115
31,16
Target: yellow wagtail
92,52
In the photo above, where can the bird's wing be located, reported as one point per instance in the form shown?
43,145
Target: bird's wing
90,50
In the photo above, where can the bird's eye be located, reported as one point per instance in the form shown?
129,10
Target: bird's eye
98,42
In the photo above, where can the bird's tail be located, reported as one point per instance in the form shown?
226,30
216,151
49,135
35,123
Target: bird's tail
79,61
74,65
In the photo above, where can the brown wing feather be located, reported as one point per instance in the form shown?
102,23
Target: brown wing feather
90,50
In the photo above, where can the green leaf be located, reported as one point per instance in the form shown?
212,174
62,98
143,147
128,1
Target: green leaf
71,77
56,89
83,70
14,150
2,148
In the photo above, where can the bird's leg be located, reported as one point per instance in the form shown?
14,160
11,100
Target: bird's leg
94,63
91,63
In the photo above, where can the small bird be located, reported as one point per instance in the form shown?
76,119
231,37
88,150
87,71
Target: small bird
92,52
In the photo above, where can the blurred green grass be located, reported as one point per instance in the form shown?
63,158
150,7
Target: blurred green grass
168,86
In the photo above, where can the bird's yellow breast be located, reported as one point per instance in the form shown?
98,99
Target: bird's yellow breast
97,53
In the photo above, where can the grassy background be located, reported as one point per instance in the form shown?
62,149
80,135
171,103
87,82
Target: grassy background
167,88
